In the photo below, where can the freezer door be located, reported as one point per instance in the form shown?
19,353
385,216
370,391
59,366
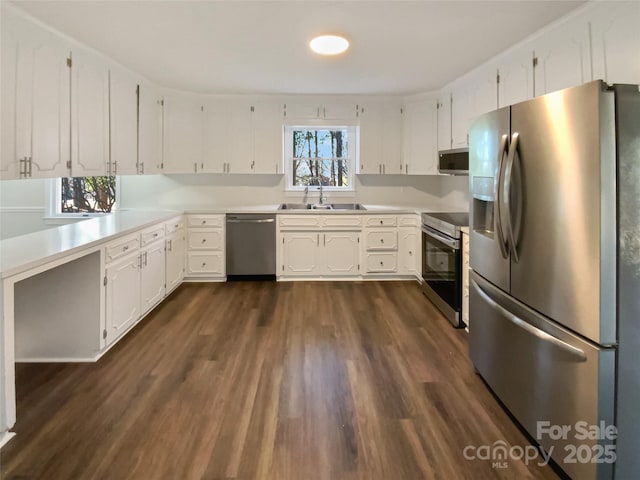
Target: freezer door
560,188
542,373
488,147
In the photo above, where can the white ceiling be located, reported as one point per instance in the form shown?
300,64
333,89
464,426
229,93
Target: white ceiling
397,47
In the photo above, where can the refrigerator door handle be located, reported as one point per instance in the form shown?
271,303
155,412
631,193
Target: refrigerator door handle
541,334
506,193
504,149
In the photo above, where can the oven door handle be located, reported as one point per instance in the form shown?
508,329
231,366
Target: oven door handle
449,242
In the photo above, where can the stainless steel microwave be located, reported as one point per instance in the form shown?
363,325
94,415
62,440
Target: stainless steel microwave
454,162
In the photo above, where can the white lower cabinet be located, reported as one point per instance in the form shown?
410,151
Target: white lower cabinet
314,254
175,256
152,276
122,296
409,258
381,262
206,247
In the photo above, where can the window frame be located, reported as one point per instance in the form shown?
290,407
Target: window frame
353,132
54,210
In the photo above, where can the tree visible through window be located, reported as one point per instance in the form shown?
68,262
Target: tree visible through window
88,194
321,155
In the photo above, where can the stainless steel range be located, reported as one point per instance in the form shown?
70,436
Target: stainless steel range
442,262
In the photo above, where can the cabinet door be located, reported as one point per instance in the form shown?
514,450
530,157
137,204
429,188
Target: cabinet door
420,150
175,258
341,252
616,42
302,110
444,122
152,276
339,111
409,259
484,93
149,129
301,254
210,264
461,105
562,58
183,134
370,141
37,96
266,125
123,121
240,154
516,78
122,296
217,132
90,115
392,117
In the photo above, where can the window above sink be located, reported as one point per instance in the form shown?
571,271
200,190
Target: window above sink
320,155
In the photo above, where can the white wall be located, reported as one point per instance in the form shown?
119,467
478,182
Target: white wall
202,190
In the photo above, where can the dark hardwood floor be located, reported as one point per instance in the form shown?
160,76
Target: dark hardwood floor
304,380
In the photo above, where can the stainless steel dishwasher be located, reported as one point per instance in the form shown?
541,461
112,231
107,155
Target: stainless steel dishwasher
251,246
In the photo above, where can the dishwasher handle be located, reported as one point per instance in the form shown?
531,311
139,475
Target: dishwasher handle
254,220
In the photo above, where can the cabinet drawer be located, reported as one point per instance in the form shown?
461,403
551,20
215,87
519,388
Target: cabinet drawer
205,220
174,225
382,240
209,263
343,221
151,234
121,247
301,221
409,221
380,221
205,239
382,262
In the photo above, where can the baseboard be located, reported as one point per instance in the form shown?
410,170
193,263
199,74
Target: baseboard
5,437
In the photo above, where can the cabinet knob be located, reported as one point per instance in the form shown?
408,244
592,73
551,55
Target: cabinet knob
380,222
204,222
410,252
382,240
155,235
204,240
204,264
125,248
381,263
176,225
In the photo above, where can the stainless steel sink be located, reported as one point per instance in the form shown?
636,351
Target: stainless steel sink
321,206
294,206
347,206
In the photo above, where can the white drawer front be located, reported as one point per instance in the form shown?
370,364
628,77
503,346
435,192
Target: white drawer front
121,247
382,240
174,225
205,239
382,262
152,234
300,221
380,221
210,263
205,220
409,220
343,221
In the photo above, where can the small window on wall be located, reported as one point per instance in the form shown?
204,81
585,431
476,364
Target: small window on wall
85,195
320,155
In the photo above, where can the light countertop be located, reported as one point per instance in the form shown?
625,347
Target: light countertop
25,252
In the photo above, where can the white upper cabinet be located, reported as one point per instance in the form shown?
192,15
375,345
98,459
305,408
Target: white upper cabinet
444,121
420,149
149,129
267,119
183,133
562,58
89,115
35,101
516,77
240,150
616,41
308,109
380,149
217,132
461,113
484,92
123,121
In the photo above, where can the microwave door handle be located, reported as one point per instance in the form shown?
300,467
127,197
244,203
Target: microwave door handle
508,176
504,148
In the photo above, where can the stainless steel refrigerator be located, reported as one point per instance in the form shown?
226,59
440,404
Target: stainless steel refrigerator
555,258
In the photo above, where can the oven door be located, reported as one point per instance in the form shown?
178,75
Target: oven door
442,273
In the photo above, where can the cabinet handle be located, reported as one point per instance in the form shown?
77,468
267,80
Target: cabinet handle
324,240
318,239
171,246
176,225
140,261
253,164
384,168
125,248
115,167
380,168
406,169
155,235
195,167
145,259
142,168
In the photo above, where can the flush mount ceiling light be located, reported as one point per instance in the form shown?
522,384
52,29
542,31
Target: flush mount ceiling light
329,44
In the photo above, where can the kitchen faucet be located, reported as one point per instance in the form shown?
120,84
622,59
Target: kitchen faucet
321,200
